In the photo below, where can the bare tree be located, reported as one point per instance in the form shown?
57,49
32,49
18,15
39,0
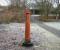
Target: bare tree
45,7
15,2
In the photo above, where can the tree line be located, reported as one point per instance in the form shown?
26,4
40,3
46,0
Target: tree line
46,8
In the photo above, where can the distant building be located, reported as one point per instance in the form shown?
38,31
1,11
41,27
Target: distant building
32,5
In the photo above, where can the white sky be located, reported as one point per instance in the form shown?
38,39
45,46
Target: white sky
54,5
31,1
7,2
4,2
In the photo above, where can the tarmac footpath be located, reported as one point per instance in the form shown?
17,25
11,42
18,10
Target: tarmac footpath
13,34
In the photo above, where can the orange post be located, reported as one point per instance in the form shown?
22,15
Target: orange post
27,26
27,41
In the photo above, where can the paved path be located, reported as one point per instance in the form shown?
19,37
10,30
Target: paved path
53,29
13,33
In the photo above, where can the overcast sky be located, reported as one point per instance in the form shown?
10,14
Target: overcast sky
7,2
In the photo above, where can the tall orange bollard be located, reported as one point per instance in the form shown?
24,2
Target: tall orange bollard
27,42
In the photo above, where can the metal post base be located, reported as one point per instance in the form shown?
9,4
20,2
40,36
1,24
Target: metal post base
27,44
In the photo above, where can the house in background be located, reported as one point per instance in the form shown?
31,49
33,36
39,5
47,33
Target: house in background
32,5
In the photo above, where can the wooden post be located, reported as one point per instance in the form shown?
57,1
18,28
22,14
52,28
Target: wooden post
27,27
27,42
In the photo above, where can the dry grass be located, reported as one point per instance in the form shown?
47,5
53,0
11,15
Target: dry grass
13,14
